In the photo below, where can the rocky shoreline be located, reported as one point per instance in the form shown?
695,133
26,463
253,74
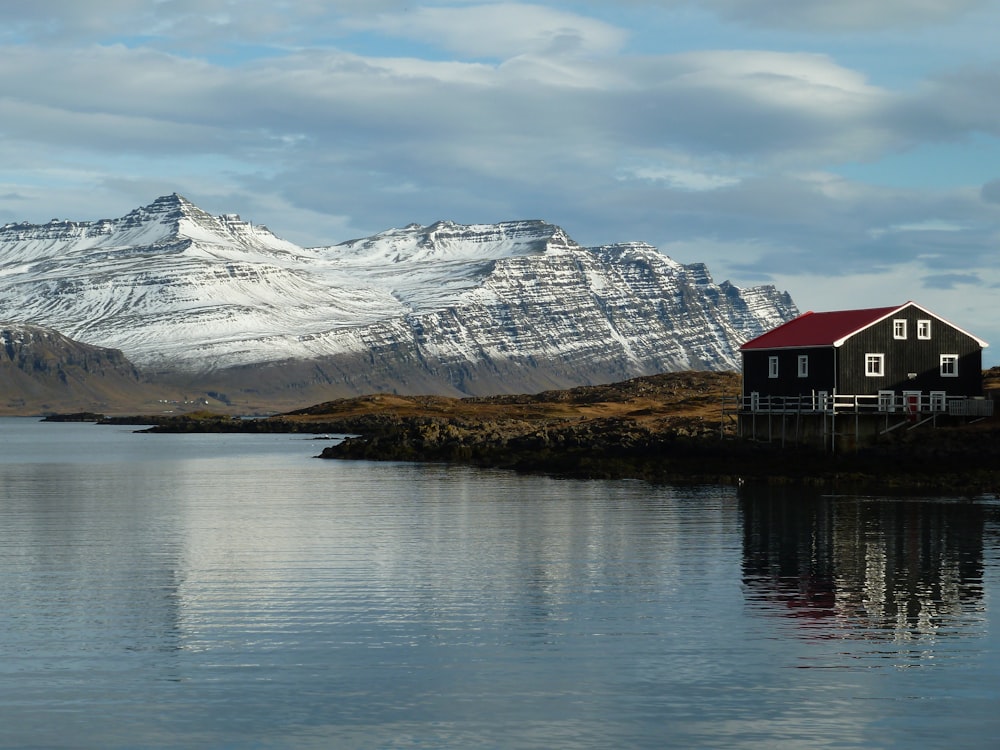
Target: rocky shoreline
952,461
663,428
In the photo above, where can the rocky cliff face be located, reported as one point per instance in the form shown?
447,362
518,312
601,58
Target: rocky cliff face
43,371
508,307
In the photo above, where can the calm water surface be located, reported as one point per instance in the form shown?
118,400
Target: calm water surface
227,591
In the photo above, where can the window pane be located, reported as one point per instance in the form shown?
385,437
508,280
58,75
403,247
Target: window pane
949,365
874,364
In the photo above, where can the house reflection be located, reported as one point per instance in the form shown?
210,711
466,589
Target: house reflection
875,568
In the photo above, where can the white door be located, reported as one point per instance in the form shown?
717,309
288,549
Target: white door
887,401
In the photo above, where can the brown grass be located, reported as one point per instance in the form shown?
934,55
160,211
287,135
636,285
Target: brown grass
646,399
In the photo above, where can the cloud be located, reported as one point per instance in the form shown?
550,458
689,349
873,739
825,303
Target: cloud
990,192
925,225
500,30
503,27
781,105
769,106
828,15
191,25
950,105
813,223
727,144
682,179
952,280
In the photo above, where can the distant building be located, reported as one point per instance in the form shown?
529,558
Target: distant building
879,360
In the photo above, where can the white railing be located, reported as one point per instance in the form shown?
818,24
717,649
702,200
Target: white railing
903,404
970,407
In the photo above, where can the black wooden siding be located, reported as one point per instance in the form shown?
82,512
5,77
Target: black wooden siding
788,383
904,357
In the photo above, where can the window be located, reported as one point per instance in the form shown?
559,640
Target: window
949,365
772,367
886,400
938,401
923,329
874,365
899,329
803,365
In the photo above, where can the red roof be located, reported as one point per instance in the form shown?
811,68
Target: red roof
819,329
833,328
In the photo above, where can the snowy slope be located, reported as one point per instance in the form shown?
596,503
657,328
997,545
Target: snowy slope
171,285
430,267
178,289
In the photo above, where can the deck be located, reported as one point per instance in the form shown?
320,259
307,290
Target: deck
842,421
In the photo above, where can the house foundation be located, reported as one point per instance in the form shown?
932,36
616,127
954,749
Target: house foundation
848,429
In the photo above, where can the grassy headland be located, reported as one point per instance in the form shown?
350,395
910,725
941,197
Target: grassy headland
665,428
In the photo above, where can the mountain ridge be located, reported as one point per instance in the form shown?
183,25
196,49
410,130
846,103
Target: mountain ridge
451,308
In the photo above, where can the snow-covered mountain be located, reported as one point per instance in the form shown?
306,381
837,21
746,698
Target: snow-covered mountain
454,308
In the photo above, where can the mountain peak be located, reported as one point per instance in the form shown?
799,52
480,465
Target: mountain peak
167,211
174,200
173,207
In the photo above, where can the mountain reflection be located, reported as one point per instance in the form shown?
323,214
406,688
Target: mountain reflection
873,568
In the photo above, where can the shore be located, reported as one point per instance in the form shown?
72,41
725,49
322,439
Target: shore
949,460
661,428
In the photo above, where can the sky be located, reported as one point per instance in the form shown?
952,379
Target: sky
846,151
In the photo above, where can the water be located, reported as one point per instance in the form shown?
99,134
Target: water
224,591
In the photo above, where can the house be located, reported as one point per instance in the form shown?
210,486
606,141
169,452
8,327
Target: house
883,359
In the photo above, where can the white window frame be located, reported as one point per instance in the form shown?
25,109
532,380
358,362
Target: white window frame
822,400
899,328
939,401
887,401
772,367
874,365
924,330
803,365
949,365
